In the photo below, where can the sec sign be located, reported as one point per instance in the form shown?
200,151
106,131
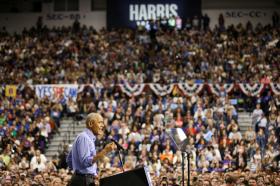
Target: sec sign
241,14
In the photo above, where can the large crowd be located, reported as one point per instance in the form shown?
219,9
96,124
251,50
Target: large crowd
83,55
219,152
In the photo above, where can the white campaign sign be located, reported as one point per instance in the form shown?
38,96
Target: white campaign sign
57,92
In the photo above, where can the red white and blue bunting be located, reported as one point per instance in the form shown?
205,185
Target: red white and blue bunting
275,88
161,90
134,90
251,90
166,89
190,89
217,89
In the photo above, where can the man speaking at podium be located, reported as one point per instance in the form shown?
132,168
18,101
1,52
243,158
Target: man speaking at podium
82,157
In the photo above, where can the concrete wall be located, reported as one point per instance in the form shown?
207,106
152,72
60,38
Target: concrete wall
16,22
240,4
236,16
240,11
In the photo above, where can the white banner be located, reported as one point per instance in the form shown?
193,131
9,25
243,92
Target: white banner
57,92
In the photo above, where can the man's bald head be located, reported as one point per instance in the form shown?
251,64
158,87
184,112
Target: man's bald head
92,117
95,123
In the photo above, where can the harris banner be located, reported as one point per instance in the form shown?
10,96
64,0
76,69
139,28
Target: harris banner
128,13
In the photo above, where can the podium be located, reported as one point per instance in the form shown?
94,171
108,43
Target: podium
135,177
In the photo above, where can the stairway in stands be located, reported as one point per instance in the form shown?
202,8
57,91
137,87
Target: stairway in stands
245,121
69,128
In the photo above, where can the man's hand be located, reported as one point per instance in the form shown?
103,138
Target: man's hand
110,147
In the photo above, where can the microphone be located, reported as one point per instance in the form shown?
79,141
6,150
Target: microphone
117,144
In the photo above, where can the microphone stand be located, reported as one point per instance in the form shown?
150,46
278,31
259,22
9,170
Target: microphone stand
183,168
189,169
120,157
